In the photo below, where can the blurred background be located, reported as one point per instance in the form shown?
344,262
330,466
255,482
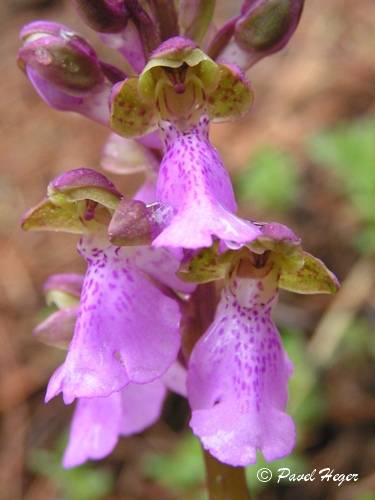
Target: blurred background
304,156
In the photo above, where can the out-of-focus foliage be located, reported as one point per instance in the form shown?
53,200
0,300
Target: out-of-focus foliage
182,470
348,150
306,403
82,483
270,180
359,342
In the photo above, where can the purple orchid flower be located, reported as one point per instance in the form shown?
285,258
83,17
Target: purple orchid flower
238,370
238,375
99,422
127,330
193,181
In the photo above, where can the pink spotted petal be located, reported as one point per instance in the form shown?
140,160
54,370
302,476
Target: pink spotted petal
237,378
127,329
193,181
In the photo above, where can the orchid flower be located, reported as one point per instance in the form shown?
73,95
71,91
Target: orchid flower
238,370
127,327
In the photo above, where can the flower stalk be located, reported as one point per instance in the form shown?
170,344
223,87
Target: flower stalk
224,482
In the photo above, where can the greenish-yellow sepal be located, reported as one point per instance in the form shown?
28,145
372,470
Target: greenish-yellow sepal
312,277
99,195
232,97
207,265
68,218
131,115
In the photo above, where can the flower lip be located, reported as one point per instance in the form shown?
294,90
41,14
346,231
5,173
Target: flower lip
81,178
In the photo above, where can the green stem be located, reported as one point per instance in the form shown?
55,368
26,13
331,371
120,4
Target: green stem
201,21
223,481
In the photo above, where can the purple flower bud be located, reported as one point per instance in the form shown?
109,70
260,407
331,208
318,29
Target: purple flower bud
67,282
127,156
268,24
61,57
105,16
264,27
65,70
57,330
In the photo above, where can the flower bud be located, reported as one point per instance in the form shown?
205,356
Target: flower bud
105,16
78,201
60,57
267,25
63,290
